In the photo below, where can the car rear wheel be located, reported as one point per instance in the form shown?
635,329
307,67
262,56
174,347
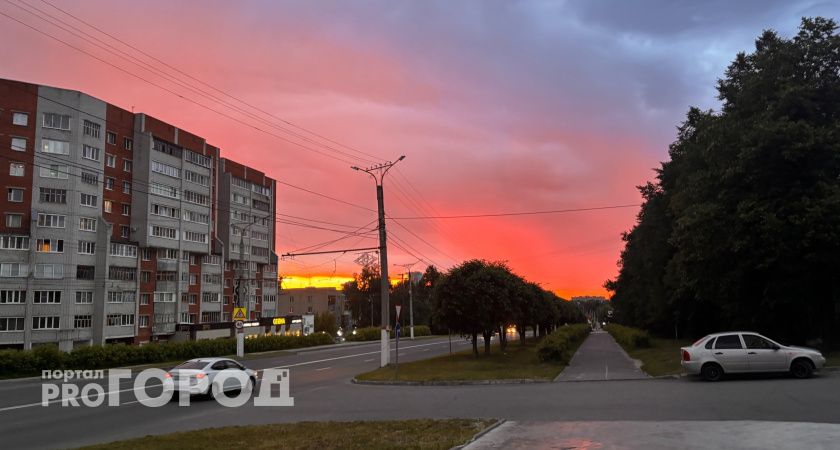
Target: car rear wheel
801,369
711,372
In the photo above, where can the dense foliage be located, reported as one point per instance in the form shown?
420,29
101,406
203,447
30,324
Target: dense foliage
741,229
558,345
628,337
326,322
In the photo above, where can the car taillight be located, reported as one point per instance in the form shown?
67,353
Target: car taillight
167,375
686,356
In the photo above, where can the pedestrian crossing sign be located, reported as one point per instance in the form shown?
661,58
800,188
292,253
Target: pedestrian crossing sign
239,313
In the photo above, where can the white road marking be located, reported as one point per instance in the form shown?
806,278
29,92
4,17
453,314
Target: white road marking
322,368
369,360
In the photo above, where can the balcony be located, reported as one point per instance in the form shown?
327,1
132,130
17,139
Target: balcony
167,265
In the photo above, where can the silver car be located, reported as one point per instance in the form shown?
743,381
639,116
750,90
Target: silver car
200,376
744,352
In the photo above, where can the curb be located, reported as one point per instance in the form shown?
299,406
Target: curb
481,433
448,383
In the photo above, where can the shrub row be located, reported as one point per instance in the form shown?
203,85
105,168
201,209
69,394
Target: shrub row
419,330
558,345
373,333
48,357
628,337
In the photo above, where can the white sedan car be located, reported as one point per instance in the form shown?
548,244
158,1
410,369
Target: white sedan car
743,352
200,376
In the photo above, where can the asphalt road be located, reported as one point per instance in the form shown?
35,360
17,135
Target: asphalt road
320,385
601,358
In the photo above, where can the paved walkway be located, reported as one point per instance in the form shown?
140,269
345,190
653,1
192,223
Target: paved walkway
601,358
743,434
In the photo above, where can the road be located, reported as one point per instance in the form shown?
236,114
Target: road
320,385
601,358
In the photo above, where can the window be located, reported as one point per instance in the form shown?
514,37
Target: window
20,119
185,318
57,121
143,322
87,248
107,206
50,246
259,251
145,276
91,129
125,231
165,276
14,220
127,165
16,169
163,190
50,195
164,297
56,171
118,320
144,299
166,169
11,323
123,250
47,297
110,160
167,148
164,232
192,236
128,144
109,183
111,138
19,144
163,210
126,187
194,197
729,341
91,153
146,254
212,259
262,206
241,199
200,160
87,224
210,297
84,297
262,190
13,270
49,271
167,253
193,279
197,178
197,217
122,273
227,300
192,299
757,342
88,200
211,278
45,322
211,316
55,147
82,321
14,242
126,209
51,220
15,195
85,272
12,296
259,236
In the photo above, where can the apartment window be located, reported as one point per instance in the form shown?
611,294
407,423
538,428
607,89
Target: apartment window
57,121
211,278
165,276
164,232
127,166
87,224
51,220
227,300
110,160
164,297
197,217
146,254
167,148
20,119
115,297
45,322
12,296
88,200
225,317
192,236
14,242
122,273
193,279
197,178
192,299
259,235
123,250
50,246
212,259
82,321
49,271
210,297
262,190
211,316
87,247
16,169
50,195
187,318
91,153
259,251
163,190
109,183
166,169
125,231
15,195
144,299
126,187
194,197
145,276
14,270
91,129
118,320
241,199
200,160
143,322
56,171
14,220
107,206
111,138
11,323
262,206
47,297
167,253
128,144
126,209
19,144
55,147
163,210
85,272
84,297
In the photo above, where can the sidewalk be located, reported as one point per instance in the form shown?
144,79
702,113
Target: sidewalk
601,358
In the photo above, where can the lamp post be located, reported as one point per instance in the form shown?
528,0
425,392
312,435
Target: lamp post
241,288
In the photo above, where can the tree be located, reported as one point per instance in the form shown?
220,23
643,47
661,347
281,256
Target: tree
326,322
740,228
364,295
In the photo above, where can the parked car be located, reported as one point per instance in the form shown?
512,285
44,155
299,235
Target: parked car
198,376
743,352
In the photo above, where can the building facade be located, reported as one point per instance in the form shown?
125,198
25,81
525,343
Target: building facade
118,227
315,300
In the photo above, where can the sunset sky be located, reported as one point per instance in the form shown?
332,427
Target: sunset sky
499,106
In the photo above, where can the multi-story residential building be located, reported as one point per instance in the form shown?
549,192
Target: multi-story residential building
315,300
118,227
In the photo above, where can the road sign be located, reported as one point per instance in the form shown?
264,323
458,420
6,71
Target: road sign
239,313
398,312
239,324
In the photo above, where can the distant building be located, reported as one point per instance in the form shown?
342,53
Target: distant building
314,300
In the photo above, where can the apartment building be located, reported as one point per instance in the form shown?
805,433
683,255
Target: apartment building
315,300
119,227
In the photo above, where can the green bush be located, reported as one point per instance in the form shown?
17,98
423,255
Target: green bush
419,330
628,337
558,345
364,334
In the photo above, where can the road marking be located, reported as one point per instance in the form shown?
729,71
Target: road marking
606,371
322,368
369,360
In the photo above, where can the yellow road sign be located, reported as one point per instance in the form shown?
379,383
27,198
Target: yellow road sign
239,314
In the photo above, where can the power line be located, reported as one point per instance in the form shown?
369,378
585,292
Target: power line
523,213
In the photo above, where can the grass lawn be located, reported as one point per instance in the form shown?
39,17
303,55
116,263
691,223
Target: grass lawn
415,434
661,358
518,362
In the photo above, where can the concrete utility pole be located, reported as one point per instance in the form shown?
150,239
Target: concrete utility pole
241,288
378,172
410,297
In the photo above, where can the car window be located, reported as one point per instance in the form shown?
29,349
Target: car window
235,365
729,341
757,342
195,365
710,343
221,365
